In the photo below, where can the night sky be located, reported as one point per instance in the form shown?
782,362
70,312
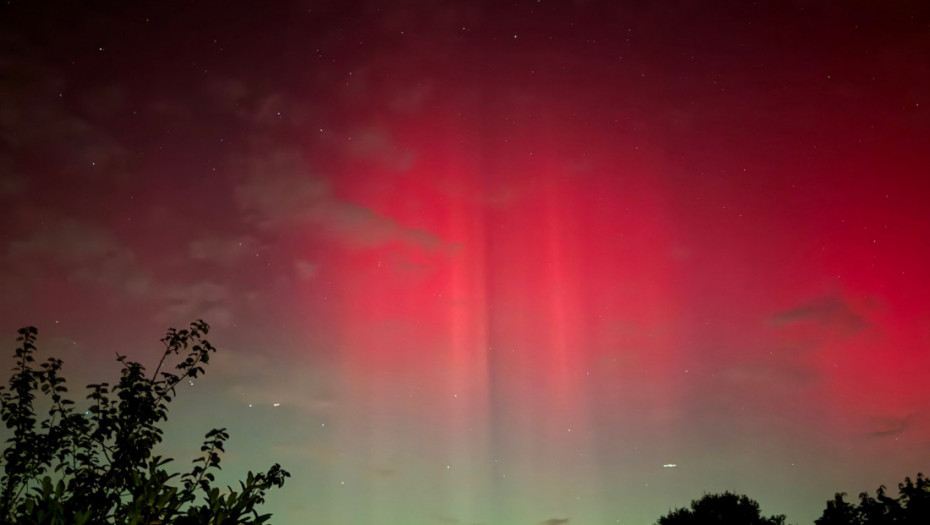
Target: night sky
499,263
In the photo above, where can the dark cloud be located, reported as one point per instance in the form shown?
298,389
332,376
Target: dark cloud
887,426
384,472
777,374
831,313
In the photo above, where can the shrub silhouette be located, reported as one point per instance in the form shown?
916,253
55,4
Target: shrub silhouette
720,509
96,466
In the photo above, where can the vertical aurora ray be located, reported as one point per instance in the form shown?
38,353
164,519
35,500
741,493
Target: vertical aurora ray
414,327
541,289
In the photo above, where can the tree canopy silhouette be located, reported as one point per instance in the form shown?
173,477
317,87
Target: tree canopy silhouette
96,465
911,507
721,509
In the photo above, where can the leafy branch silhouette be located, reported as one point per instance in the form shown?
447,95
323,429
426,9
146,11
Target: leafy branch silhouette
97,465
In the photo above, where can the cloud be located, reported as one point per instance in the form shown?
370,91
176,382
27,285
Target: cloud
31,125
375,146
412,99
554,521
223,250
384,472
204,300
12,184
91,255
278,191
68,241
831,313
305,270
254,106
886,426
777,374
254,377
106,101
361,227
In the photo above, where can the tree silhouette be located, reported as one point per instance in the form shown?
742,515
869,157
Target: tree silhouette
911,507
914,499
839,512
96,465
721,509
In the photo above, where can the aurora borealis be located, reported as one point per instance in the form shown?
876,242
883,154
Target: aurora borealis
489,262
